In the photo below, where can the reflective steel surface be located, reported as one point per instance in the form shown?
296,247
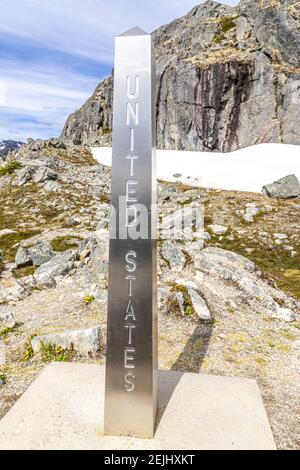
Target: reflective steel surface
131,363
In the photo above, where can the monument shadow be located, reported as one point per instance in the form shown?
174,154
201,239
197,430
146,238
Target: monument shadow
189,360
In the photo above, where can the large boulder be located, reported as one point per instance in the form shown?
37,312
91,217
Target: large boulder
59,265
44,174
41,253
22,258
57,143
37,255
173,255
24,175
85,341
86,248
285,188
225,272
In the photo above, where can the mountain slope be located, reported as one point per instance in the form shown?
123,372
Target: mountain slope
7,146
227,77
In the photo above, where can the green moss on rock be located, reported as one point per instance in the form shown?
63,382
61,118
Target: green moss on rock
9,168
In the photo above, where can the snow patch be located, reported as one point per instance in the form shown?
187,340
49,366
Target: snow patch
248,169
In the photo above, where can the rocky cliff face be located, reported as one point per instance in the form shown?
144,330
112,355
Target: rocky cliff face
227,77
94,118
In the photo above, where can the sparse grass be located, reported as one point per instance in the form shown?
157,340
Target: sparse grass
219,37
51,352
23,272
12,208
106,131
188,259
287,334
230,310
3,378
28,349
105,198
208,220
77,156
227,23
49,214
221,56
278,263
9,243
240,337
180,187
189,311
188,306
65,243
261,361
5,332
9,168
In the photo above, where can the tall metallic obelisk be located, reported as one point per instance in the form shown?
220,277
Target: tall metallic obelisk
131,362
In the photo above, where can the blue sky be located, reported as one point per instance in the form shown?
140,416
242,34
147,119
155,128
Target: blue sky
53,53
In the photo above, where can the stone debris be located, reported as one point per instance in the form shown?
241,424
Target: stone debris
85,341
11,290
251,212
284,314
199,305
7,320
218,229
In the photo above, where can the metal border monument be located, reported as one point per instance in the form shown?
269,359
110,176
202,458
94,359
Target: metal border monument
131,364
63,408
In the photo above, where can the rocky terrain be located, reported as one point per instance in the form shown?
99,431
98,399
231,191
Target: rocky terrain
229,291
227,77
7,146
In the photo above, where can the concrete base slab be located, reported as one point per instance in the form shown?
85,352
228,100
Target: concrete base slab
63,409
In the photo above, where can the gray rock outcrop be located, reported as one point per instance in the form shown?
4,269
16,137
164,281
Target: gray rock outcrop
173,255
35,256
94,117
286,188
59,265
227,77
85,340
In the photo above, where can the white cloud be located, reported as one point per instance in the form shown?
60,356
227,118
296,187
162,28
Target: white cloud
86,28
37,95
40,98
2,93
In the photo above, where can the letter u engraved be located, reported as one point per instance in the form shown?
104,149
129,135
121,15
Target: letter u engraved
133,96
